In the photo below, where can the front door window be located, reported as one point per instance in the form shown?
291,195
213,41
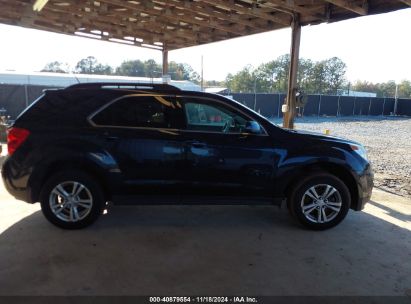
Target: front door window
212,118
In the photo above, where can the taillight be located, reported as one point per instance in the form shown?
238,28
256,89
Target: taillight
15,137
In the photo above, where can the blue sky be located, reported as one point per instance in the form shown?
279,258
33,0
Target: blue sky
375,48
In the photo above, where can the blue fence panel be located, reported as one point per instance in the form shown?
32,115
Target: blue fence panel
311,107
269,105
346,106
377,106
329,106
389,106
245,99
404,107
12,98
361,105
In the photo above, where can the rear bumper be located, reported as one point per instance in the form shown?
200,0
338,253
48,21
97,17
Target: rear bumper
365,186
17,187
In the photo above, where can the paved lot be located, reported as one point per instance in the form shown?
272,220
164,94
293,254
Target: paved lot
185,250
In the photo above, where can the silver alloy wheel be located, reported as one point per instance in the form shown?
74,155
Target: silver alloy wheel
321,203
70,201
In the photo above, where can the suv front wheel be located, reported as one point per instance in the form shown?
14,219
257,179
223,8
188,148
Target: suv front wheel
71,199
320,201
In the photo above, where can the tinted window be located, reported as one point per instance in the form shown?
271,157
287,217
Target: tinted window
204,115
137,111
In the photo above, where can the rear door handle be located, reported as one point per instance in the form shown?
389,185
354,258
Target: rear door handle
111,138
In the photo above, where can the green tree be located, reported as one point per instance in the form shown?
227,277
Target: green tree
404,89
152,68
241,82
334,74
268,77
214,83
132,68
365,86
90,65
317,78
386,89
280,69
56,67
305,71
325,77
183,71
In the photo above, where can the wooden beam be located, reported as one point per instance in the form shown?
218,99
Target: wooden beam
144,27
292,7
221,14
408,2
69,20
39,4
251,11
348,5
288,120
182,23
172,14
221,22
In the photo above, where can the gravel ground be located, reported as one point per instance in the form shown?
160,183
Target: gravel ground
387,140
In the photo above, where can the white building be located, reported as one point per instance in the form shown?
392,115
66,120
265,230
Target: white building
63,80
357,93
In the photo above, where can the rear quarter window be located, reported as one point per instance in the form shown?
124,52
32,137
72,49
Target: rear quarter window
63,108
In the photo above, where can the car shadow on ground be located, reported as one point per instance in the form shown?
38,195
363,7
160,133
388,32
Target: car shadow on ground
192,250
358,118
392,212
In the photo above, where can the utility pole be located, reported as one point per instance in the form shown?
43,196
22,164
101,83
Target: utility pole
202,74
255,93
289,108
396,99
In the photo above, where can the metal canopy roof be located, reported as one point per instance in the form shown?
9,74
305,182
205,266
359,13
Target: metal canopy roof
173,24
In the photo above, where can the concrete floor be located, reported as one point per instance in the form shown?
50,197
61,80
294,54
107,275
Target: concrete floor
187,250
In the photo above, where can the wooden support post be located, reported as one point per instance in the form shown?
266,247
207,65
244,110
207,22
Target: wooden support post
290,108
165,66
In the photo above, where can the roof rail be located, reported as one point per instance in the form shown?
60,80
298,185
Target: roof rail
124,85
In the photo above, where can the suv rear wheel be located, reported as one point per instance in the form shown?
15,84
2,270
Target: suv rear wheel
71,199
320,201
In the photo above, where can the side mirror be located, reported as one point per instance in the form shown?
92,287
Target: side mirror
252,127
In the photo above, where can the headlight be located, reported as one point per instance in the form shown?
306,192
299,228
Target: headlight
360,150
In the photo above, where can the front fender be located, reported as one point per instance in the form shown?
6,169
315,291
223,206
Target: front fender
294,166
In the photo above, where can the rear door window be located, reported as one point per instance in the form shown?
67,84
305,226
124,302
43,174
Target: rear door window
138,111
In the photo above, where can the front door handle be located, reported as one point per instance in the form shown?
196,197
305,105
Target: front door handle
195,144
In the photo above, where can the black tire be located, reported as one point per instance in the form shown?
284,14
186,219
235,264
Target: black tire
319,181
91,187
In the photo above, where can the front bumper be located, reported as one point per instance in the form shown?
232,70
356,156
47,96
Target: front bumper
365,185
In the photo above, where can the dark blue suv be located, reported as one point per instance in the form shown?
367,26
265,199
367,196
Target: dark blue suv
75,149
